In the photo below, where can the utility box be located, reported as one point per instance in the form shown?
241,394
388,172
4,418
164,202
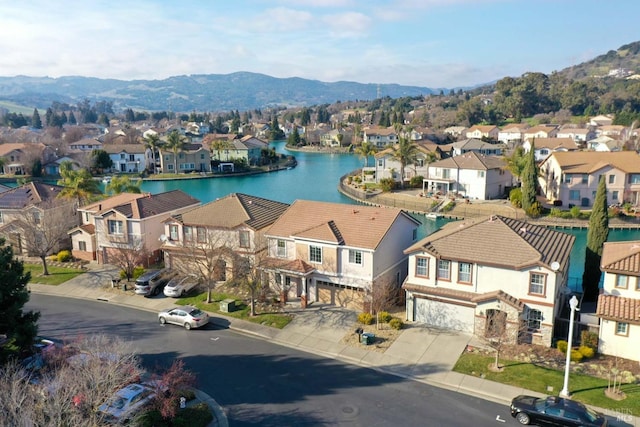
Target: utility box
367,338
228,305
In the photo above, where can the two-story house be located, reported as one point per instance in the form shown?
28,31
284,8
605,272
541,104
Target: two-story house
380,137
220,236
543,147
470,175
579,135
137,225
321,252
541,131
477,146
483,131
619,303
191,158
388,166
129,158
512,133
18,158
459,279
86,145
571,178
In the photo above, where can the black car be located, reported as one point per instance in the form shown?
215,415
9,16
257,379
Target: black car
554,411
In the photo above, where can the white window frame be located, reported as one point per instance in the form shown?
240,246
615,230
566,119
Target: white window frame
315,254
281,248
115,226
355,257
534,284
422,266
534,319
442,269
173,232
622,329
465,276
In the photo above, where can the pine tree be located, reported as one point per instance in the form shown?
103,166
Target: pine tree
19,327
72,118
36,122
596,236
529,181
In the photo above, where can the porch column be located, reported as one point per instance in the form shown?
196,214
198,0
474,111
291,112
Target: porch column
303,296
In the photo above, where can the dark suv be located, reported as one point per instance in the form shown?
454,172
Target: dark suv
152,282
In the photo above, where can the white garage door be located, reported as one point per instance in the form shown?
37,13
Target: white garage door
443,315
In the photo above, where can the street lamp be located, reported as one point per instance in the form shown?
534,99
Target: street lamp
573,304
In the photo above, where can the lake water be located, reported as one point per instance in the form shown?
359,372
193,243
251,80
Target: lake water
316,178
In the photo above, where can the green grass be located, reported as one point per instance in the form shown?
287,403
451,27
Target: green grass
584,388
275,320
56,275
17,108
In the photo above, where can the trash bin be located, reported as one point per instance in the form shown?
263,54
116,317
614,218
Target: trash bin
228,305
367,338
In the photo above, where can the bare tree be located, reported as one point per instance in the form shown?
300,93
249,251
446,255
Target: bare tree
250,269
44,228
169,385
73,134
127,253
500,331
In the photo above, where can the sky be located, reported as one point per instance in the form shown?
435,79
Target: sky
427,43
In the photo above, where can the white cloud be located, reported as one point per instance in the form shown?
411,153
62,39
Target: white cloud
348,24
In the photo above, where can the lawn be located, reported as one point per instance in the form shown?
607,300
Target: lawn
56,275
586,389
242,311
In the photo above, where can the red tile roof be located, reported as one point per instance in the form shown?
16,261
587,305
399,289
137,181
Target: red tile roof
613,307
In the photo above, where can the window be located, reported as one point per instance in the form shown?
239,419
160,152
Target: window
612,179
414,235
86,217
244,238
585,178
537,283
622,281
132,157
622,328
37,217
122,156
202,156
1,218
567,178
173,232
170,167
188,234
422,267
380,162
480,174
202,234
464,272
534,319
115,227
82,246
634,178
355,257
574,195
614,195
444,269
281,249
315,254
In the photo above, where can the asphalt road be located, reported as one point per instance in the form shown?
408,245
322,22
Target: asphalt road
260,383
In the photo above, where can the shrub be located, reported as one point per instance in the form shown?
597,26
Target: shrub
589,339
64,256
365,318
562,346
576,356
448,207
586,352
515,197
575,212
396,323
384,316
387,184
416,181
137,272
535,210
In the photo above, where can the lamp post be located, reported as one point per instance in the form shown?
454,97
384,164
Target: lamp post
573,304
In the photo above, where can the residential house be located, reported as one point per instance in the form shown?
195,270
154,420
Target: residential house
545,146
387,166
331,138
483,131
619,303
477,146
614,131
191,158
19,157
469,175
455,131
318,251
541,131
420,133
232,226
579,135
247,149
86,144
53,167
137,225
512,133
83,237
515,281
380,137
571,178
605,143
129,158
35,208
601,120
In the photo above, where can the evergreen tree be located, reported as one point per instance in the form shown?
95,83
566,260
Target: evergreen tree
596,236
19,327
276,132
294,137
529,181
48,117
129,117
72,118
36,122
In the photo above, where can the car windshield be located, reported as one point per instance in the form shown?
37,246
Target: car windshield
196,312
117,403
590,415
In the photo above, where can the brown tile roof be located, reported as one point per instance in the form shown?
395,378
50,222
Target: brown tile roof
127,148
29,194
380,131
111,202
351,225
440,292
482,128
500,295
156,204
515,127
541,128
613,307
555,143
296,266
471,160
512,244
621,257
234,210
591,161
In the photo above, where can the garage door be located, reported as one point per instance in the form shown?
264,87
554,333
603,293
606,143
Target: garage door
444,315
342,296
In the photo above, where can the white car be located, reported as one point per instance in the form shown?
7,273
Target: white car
126,402
187,316
180,286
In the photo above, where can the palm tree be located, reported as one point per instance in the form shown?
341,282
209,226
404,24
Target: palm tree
366,149
219,145
405,152
122,184
175,143
152,142
78,184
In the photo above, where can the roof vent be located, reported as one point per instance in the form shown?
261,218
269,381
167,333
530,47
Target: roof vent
523,230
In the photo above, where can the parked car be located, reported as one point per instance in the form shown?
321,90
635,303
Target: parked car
554,411
152,282
187,316
179,286
126,403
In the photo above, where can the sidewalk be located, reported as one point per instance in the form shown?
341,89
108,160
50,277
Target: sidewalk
419,353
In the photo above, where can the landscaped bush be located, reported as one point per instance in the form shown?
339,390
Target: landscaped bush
387,184
589,339
137,272
515,197
587,352
384,316
64,256
416,181
448,207
396,323
365,318
575,212
562,346
576,356
535,210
